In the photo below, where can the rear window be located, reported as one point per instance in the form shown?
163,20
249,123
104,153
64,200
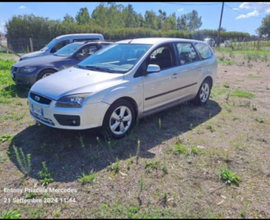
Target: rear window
203,50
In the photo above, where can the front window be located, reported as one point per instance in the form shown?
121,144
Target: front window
162,56
116,58
68,50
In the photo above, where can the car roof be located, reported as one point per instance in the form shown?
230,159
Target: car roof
155,40
77,35
91,42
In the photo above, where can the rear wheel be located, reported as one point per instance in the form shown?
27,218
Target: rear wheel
119,119
203,94
45,73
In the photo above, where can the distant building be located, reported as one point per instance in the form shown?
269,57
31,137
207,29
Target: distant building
3,39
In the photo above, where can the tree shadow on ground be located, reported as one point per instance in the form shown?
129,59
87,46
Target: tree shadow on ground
69,153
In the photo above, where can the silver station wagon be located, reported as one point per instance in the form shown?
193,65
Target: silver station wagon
123,82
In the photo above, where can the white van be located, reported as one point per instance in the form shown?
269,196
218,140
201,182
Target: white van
61,41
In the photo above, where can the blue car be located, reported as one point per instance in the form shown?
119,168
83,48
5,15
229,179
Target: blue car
28,71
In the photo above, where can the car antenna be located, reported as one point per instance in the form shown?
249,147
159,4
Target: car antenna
133,38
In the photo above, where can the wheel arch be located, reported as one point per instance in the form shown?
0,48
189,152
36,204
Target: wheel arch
132,102
45,69
210,79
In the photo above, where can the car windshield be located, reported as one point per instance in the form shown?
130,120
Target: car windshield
68,50
44,48
52,43
115,58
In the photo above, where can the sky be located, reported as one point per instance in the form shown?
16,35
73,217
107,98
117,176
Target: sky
237,16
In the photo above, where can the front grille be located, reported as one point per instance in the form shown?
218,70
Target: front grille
40,99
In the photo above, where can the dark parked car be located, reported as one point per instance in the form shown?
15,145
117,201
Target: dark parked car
27,72
210,41
61,41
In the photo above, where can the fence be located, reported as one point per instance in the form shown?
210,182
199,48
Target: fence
26,45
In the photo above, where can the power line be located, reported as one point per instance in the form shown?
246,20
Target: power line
241,13
210,4
191,4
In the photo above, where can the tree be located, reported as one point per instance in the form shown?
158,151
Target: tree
129,16
170,23
83,16
151,20
139,20
264,29
182,23
116,16
100,15
68,18
193,21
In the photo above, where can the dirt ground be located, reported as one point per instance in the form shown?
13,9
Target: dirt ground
145,175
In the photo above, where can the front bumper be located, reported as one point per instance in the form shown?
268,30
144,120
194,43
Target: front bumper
27,79
89,116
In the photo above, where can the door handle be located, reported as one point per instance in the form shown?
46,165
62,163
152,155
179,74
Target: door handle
199,68
174,75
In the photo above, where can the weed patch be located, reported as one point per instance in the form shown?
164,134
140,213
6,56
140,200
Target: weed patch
242,94
44,174
16,214
229,178
179,148
23,161
89,178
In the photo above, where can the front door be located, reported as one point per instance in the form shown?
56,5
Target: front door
159,87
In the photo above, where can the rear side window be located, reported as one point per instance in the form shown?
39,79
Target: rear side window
204,50
187,53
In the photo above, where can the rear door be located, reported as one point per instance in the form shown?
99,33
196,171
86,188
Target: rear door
188,71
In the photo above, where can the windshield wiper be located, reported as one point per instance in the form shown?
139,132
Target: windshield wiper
99,69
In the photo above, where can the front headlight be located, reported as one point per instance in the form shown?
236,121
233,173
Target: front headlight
27,69
72,101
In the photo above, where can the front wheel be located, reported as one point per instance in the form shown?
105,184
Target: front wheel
119,119
45,73
203,94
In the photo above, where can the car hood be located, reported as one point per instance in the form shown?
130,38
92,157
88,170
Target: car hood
33,54
37,61
75,81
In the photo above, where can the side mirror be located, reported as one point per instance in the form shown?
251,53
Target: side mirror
152,68
79,56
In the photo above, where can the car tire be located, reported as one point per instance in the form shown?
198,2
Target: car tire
119,119
203,94
45,73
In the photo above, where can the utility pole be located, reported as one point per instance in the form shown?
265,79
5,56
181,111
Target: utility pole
218,38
